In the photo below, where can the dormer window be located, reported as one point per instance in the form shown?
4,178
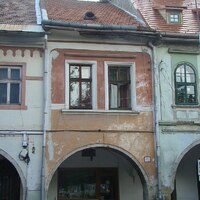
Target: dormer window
174,17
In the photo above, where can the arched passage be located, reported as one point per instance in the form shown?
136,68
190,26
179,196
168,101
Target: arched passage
98,167
12,181
185,174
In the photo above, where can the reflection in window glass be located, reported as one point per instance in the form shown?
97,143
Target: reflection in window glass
10,85
80,86
185,85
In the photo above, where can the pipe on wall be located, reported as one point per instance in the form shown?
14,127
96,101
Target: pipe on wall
156,124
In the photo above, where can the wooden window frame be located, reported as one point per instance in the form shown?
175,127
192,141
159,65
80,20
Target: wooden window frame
21,105
118,82
81,80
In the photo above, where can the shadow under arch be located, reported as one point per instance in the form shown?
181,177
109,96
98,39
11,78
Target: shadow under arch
133,161
18,169
179,159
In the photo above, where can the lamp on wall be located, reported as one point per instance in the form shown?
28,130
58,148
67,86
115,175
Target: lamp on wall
89,153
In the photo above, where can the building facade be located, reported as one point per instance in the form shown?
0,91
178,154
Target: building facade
177,64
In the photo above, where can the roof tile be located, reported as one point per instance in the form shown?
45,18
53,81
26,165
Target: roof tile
156,21
74,11
20,12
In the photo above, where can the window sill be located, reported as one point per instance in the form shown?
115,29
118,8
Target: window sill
13,107
185,106
100,112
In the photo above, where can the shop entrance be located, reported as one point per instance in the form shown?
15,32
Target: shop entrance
83,183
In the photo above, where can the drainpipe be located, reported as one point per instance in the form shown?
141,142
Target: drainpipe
45,117
198,18
156,124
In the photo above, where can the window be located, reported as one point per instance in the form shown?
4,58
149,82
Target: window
119,87
10,84
174,17
80,86
185,85
88,183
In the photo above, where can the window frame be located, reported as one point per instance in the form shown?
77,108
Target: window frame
185,84
21,105
93,72
173,13
132,84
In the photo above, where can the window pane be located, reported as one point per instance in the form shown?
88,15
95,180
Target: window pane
190,76
74,94
180,74
113,96
113,74
124,74
86,94
3,73
74,72
15,74
191,94
125,96
3,93
77,184
14,93
181,94
85,72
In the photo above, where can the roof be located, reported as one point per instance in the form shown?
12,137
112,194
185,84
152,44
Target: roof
151,12
73,11
17,12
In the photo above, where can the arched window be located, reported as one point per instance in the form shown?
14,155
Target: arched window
185,85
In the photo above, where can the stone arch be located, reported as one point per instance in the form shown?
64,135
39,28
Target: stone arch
178,160
141,172
18,169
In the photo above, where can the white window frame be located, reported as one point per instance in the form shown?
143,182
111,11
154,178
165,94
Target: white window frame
173,13
94,82
8,81
133,83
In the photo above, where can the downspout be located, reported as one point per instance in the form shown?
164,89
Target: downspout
45,118
198,20
156,124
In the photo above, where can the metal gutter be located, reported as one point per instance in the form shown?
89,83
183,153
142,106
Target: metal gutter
61,25
156,122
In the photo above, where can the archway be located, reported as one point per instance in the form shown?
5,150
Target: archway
98,172
186,178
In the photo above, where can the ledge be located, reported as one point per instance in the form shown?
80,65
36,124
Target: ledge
178,123
99,112
186,106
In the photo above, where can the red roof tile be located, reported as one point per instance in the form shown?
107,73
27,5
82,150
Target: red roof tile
17,12
74,11
150,11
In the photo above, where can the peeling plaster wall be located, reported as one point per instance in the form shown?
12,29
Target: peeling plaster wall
128,132
179,125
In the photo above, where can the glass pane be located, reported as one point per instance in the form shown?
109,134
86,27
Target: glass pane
113,74
181,94
86,94
124,74
190,76
74,94
85,72
14,93
113,96
80,183
107,189
191,94
180,74
3,93
3,73
125,101
15,74
74,72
